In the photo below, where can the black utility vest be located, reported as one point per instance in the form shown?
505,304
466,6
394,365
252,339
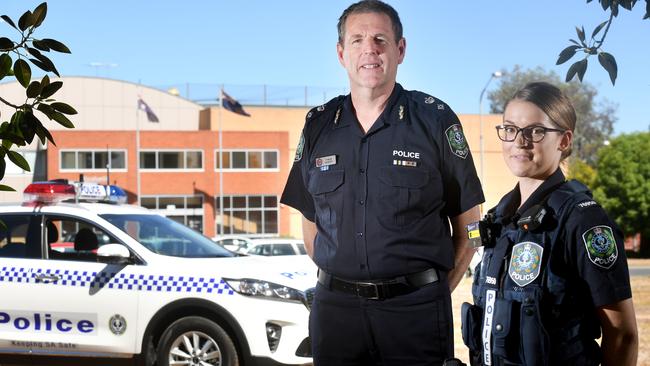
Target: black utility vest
524,314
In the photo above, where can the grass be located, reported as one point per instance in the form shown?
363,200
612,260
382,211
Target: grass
640,295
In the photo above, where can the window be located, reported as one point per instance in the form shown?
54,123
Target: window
34,159
249,215
92,159
21,238
172,159
186,210
73,239
254,160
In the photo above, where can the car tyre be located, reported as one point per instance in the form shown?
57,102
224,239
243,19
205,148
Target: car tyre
196,341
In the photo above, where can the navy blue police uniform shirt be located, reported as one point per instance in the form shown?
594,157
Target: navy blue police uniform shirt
381,200
589,252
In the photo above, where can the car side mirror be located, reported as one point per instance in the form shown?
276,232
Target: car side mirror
114,253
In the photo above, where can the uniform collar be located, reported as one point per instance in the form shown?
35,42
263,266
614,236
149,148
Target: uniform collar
391,113
507,208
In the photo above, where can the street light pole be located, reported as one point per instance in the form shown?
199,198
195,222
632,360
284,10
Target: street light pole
496,74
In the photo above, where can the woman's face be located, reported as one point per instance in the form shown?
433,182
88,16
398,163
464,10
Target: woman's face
527,159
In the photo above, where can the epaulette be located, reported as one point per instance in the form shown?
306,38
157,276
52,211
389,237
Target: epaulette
323,109
428,101
571,191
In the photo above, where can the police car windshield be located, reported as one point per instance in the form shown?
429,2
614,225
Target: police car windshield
167,237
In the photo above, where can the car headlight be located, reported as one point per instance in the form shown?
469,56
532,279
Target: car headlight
264,289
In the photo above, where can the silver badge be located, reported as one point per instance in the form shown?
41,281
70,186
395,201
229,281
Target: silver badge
441,107
117,324
525,262
321,108
429,100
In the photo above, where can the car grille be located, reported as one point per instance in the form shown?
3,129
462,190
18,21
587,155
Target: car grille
308,298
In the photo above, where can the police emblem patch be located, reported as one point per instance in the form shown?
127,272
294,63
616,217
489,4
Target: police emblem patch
301,145
117,324
525,263
457,141
601,246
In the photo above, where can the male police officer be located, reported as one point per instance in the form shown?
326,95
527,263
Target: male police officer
377,175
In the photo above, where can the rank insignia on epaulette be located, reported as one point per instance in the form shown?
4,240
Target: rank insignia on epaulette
321,108
401,112
429,100
336,117
310,114
441,107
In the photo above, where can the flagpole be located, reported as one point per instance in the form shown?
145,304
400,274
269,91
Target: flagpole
221,228
137,147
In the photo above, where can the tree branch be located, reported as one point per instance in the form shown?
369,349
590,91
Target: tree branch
9,104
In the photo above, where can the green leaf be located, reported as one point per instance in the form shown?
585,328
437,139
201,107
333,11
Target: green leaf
28,127
44,61
575,42
63,120
9,21
63,108
598,28
3,167
614,8
40,45
608,62
647,9
5,189
19,160
40,65
26,20
22,72
566,54
582,69
39,14
6,44
581,35
56,45
578,68
45,81
43,134
5,65
34,89
50,89
47,110
626,4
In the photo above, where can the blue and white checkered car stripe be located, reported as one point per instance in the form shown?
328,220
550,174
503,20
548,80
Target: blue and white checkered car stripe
118,281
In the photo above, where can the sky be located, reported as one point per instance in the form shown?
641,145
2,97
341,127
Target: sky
452,46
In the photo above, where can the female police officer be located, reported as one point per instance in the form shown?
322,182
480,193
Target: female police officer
554,273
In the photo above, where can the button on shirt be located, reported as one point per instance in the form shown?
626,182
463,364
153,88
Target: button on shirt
381,200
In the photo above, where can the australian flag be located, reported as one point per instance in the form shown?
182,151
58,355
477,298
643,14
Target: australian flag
232,105
151,116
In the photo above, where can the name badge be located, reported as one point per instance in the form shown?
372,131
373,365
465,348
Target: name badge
325,161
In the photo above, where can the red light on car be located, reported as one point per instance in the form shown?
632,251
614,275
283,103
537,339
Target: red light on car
48,192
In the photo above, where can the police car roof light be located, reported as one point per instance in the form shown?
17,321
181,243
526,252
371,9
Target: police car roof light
48,192
116,194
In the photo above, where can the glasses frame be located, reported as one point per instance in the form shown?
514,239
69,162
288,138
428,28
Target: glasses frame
526,132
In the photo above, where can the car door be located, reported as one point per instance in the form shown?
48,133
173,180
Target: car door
68,302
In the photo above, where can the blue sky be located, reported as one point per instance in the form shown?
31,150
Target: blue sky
452,46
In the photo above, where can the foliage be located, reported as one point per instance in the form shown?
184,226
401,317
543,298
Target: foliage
623,181
581,171
593,46
596,119
23,125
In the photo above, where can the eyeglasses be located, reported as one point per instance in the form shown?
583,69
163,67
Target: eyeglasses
508,133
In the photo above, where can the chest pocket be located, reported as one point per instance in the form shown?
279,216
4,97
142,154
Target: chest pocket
407,196
324,187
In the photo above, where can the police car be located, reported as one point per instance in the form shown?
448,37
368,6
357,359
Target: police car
136,285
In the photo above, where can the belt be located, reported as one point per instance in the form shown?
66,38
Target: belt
379,290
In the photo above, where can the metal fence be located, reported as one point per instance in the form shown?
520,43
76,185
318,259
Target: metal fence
272,95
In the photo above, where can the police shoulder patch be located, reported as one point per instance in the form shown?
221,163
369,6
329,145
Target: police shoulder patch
299,148
456,140
601,246
525,262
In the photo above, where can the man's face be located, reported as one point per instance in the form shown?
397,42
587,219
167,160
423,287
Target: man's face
369,51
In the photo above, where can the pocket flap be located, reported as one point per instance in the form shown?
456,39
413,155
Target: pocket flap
404,177
325,182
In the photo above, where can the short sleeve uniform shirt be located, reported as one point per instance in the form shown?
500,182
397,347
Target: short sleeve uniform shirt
381,199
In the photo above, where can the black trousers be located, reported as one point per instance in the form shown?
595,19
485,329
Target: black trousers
408,330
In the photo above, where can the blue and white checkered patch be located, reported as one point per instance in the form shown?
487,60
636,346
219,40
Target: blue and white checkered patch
118,281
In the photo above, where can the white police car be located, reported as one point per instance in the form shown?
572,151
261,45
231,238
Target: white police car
155,290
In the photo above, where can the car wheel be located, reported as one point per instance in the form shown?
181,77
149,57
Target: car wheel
196,341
